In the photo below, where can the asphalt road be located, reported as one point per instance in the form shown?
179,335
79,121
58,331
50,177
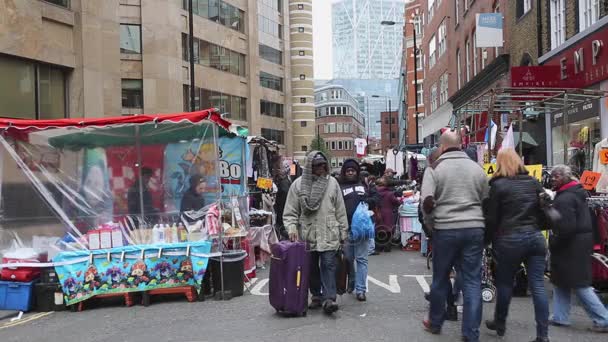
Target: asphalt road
393,312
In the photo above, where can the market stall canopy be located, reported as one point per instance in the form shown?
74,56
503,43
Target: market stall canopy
526,139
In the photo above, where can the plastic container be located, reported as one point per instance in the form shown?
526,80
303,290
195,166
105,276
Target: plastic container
234,269
49,297
48,275
16,296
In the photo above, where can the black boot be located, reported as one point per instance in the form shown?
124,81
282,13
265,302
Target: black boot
452,313
498,327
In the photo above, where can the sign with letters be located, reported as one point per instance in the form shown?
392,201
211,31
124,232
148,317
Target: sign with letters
535,171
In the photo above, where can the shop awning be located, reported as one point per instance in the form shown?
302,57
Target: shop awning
438,120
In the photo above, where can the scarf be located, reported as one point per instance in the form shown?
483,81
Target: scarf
312,187
568,186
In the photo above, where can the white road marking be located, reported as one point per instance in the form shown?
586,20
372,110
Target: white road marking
392,286
25,320
257,289
422,282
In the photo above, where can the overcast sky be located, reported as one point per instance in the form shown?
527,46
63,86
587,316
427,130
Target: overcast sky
322,39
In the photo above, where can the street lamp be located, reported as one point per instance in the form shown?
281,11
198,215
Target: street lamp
392,23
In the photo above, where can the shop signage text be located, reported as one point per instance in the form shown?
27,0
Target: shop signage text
585,62
577,113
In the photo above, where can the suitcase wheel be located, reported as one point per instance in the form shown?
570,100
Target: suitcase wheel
304,314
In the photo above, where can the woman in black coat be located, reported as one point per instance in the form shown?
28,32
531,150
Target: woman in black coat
571,247
513,217
193,198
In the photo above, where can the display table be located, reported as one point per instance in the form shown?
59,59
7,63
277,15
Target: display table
84,274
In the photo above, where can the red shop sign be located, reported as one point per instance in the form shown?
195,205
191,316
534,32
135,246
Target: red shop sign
538,77
585,62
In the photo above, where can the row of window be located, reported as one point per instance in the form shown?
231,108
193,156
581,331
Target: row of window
338,128
333,110
276,5
62,3
271,81
339,145
271,109
437,44
270,54
234,106
214,56
589,13
439,97
270,26
30,90
274,135
219,11
337,162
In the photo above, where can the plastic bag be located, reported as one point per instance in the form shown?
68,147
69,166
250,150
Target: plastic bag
362,226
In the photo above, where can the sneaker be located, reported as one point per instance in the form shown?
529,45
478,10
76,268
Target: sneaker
558,324
329,307
494,326
361,297
452,313
350,290
599,329
315,304
428,327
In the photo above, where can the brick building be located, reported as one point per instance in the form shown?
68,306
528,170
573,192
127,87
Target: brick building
414,79
389,128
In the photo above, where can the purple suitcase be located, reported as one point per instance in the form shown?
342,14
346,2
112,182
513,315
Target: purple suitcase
289,272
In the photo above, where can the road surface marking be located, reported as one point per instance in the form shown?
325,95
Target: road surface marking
422,282
392,286
25,320
257,289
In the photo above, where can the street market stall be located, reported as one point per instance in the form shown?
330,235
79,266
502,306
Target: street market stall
121,205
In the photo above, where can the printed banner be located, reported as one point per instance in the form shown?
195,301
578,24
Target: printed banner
535,171
110,272
231,166
489,30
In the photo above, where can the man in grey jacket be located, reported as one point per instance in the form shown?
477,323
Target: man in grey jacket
453,190
315,205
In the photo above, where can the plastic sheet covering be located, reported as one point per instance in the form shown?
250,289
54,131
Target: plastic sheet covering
64,181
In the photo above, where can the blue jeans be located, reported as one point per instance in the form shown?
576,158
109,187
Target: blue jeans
511,250
462,247
356,253
372,246
590,301
323,275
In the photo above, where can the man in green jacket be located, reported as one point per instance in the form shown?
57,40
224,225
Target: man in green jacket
315,207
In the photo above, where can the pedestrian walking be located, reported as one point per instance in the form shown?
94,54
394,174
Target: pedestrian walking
453,190
385,215
355,191
571,246
280,177
512,220
315,205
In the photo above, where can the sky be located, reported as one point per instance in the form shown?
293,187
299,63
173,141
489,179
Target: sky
322,39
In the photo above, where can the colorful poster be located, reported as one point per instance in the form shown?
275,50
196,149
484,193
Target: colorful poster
231,166
535,171
140,268
122,161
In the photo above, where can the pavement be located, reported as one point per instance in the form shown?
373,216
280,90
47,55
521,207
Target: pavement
393,312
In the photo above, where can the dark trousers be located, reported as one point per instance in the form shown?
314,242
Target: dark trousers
511,250
462,247
323,275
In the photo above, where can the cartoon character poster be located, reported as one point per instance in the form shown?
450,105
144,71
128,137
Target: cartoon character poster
232,173
135,271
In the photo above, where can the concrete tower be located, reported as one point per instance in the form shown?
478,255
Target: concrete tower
302,84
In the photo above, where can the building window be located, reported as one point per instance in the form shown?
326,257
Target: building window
457,11
20,90
333,145
303,123
304,148
130,38
558,22
419,60
589,12
431,10
443,89
301,29
458,69
270,81
132,93
62,3
300,6
419,94
467,60
271,109
270,27
270,54
302,100
475,57
418,24
274,135
466,5
301,53
434,105
214,56
340,147
522,7
432,55
219,11
302,77
442,39
234,106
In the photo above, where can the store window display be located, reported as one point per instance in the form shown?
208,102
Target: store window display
581,138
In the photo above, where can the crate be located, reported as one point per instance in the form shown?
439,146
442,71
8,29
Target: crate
49,297
16,296
49,276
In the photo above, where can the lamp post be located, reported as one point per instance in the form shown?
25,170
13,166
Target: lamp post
392,23
191,52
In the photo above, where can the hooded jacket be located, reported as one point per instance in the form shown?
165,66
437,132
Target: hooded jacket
325,227
355,192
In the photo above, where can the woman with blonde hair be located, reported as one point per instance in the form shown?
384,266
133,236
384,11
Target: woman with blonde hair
513,216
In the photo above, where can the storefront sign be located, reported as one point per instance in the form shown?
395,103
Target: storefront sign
489,30
546,76
577,113
585,62
604,156
590,179
535,171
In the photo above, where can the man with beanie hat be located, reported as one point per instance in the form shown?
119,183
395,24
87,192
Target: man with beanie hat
316,207
355,191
